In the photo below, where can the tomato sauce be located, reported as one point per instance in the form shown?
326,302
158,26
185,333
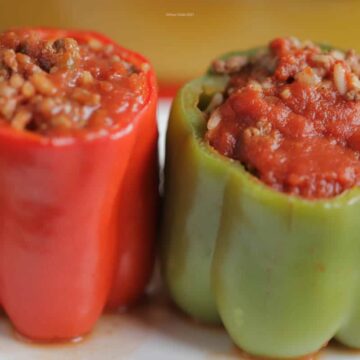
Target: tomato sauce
291,116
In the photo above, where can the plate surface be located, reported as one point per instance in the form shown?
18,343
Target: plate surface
152,330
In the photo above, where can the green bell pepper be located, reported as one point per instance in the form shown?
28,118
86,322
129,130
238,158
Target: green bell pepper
279,271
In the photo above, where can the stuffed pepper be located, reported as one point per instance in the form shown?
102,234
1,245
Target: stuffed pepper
261,223
78,175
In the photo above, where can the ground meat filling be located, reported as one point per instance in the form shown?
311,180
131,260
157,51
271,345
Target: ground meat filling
291,115
58,86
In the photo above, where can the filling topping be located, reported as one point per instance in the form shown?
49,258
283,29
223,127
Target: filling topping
291,115
62,85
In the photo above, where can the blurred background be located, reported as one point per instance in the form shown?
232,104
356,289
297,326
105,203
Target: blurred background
180,37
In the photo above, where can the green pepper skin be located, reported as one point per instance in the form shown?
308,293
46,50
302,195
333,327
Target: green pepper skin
194,188
281,272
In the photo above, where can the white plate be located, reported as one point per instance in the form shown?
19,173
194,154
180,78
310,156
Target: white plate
152,330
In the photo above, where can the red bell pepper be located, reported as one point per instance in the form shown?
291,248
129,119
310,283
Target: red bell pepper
78,218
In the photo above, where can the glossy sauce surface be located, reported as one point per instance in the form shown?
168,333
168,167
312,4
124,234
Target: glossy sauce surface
291,115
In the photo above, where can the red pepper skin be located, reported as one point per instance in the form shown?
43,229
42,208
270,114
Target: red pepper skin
77,221
138,220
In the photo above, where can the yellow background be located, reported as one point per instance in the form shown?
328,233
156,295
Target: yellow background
180,47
